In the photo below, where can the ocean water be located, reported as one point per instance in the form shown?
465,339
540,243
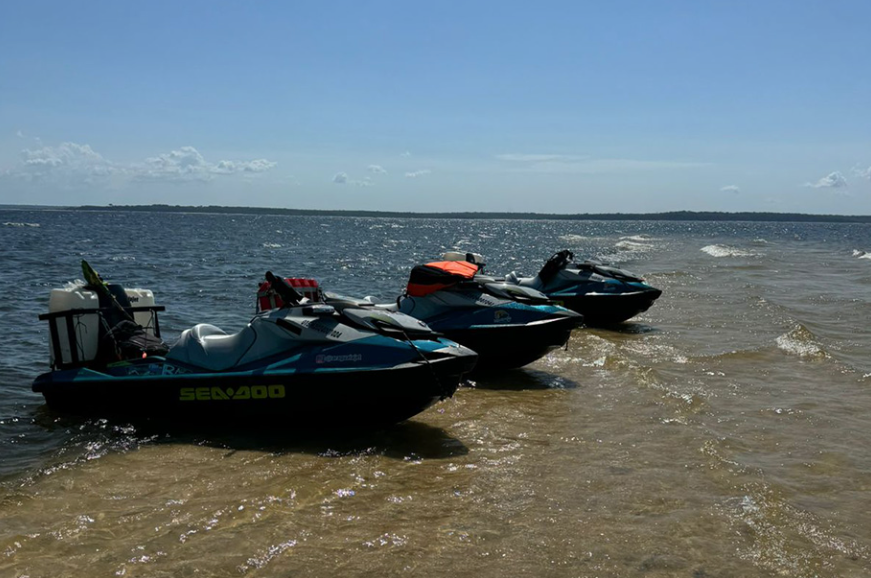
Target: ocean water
723,433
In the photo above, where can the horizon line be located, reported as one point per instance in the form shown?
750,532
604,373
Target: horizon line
681,215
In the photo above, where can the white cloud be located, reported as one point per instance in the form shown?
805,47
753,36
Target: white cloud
377,169
69,163
862,173
19,134
406,154
416,174
550,163
833,180
342,179
731,189
78,164
187,164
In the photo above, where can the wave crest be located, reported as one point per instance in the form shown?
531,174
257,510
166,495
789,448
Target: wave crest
727,251
573,239
802,342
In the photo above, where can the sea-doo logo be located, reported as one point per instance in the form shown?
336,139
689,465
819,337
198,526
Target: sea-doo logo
501,316
338,358
228,393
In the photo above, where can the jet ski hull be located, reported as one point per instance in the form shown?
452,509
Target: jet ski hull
513,346
291,400
608,308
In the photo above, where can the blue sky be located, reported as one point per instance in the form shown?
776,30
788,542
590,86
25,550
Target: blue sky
510,106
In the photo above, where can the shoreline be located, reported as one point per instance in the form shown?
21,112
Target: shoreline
743,216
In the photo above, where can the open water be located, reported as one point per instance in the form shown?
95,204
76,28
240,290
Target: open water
724,433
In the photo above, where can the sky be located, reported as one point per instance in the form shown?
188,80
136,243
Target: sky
551,107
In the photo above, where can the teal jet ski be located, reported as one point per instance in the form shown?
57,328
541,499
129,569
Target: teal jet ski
302,365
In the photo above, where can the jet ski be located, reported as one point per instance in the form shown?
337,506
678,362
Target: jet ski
304,364
509,326
603,294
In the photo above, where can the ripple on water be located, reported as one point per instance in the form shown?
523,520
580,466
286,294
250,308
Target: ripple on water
630,453
784,539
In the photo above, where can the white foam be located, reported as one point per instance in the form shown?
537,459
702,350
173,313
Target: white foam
800,342
861,254
640,238
573,239
271,246
726,251
21,224
633,246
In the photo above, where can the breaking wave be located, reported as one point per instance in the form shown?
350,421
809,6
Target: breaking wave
727,251
640,238
802,342
633,246
861,254
573,239
636,244
21,224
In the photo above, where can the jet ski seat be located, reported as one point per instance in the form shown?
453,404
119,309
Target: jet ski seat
210,347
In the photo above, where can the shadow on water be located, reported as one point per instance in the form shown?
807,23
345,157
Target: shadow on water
519,380
401,441
409,439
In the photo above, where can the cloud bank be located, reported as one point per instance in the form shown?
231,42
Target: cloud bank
731,189
78,164
187,163
416,174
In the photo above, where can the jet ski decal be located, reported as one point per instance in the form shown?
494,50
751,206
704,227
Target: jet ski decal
239,393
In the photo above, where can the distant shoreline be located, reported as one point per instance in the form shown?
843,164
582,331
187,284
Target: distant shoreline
665,216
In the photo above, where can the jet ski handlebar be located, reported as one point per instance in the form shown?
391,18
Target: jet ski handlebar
284,289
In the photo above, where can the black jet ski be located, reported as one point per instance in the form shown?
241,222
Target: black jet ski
507,325
603,294
302,365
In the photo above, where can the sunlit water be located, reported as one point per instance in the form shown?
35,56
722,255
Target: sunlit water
723,433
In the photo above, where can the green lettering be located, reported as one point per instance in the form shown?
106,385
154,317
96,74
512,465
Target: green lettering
218,393
258,392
